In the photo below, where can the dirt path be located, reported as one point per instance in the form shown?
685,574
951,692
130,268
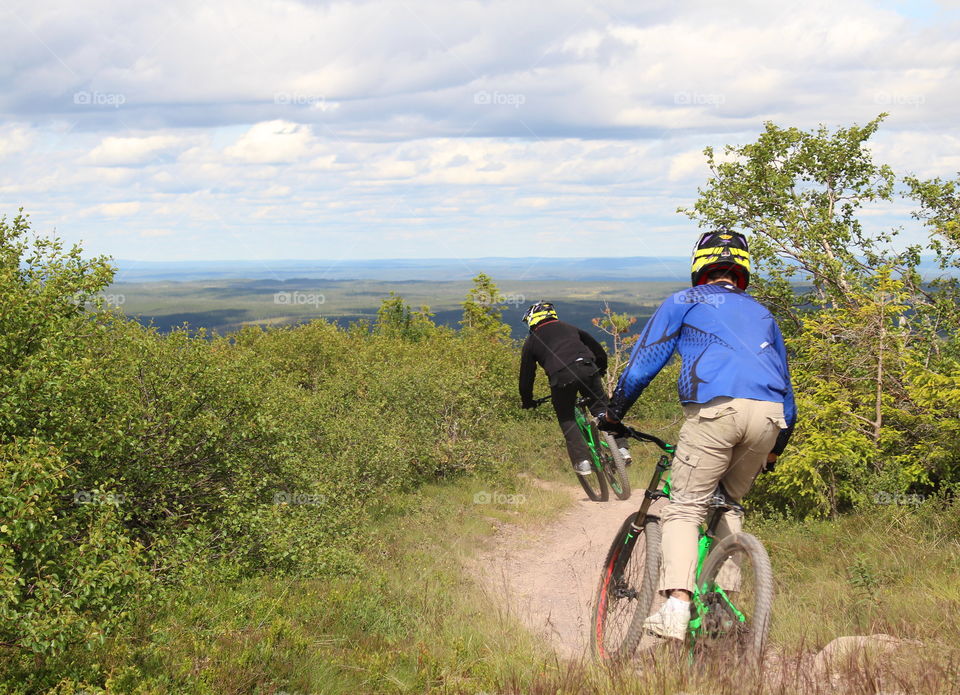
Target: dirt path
547,578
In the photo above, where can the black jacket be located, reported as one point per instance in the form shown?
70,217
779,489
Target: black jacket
555,345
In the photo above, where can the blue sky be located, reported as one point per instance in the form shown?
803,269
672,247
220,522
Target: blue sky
408,129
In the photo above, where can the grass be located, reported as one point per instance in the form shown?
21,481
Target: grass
410,621
892,569
414,621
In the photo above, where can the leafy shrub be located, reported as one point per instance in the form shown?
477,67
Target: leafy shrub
134,461
67,565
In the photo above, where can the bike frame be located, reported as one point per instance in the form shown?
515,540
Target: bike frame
587,431
658,488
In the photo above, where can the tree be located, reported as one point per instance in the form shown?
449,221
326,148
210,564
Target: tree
859,318
940,211
44,290
798,195
396,319
617,326
481,309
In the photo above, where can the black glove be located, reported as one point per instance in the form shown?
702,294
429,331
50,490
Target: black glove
616,428
527,404
769,466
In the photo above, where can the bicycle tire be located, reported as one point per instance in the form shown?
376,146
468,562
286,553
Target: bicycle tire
615,468
627,587
750,639
595,483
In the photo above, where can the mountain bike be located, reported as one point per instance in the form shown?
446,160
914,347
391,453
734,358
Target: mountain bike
733,592
610,469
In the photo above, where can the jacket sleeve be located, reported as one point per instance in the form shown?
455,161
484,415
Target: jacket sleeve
528,370
655,346
599,354
789,401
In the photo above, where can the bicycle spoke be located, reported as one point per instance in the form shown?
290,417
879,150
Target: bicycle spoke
737,591
627,585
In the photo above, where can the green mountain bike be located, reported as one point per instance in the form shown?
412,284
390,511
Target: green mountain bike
609,467
733,595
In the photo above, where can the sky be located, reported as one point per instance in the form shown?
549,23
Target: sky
230,129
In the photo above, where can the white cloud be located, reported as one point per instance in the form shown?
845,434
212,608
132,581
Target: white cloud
128,151
685,164
14,139
534,202
124,209
273,142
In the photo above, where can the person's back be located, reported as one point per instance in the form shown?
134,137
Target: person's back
574,362
729,345
556,344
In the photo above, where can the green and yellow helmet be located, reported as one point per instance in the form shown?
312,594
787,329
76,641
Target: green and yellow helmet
538,313
721,251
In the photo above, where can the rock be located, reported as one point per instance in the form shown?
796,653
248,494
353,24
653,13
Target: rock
855,651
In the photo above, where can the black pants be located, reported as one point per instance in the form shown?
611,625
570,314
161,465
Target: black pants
587,382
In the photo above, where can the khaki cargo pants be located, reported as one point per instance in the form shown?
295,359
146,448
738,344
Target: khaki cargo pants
726,439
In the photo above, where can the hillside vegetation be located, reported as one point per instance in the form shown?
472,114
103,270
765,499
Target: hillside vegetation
137,463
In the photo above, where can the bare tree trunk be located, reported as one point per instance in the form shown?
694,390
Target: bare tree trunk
881,338
878,420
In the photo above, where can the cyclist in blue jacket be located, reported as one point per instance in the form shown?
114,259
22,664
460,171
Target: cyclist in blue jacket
737,399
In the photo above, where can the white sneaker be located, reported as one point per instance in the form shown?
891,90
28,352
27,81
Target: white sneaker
627,459
669,621
583,468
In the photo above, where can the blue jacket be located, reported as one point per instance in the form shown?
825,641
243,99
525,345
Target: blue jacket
729,344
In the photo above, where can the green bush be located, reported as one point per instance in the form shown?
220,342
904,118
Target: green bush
135,462
67,567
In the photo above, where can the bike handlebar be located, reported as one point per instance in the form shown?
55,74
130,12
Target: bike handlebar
644,437
631,432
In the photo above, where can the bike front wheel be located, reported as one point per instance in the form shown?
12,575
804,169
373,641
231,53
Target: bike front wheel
628,584
595,484
736,586
614,466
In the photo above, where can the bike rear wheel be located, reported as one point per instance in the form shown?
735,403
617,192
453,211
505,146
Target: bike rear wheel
628,584
614,466
736,584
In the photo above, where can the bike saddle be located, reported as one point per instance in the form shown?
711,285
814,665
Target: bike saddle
721,500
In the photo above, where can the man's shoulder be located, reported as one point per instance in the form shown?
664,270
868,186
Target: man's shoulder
558,326
699,294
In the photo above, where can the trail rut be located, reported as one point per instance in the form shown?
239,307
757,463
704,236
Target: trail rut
547,577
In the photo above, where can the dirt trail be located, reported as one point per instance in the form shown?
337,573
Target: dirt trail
547,577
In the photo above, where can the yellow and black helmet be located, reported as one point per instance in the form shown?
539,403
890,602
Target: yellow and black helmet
538,313
721,251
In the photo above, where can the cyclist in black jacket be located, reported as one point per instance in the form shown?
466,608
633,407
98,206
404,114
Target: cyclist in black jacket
574,362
